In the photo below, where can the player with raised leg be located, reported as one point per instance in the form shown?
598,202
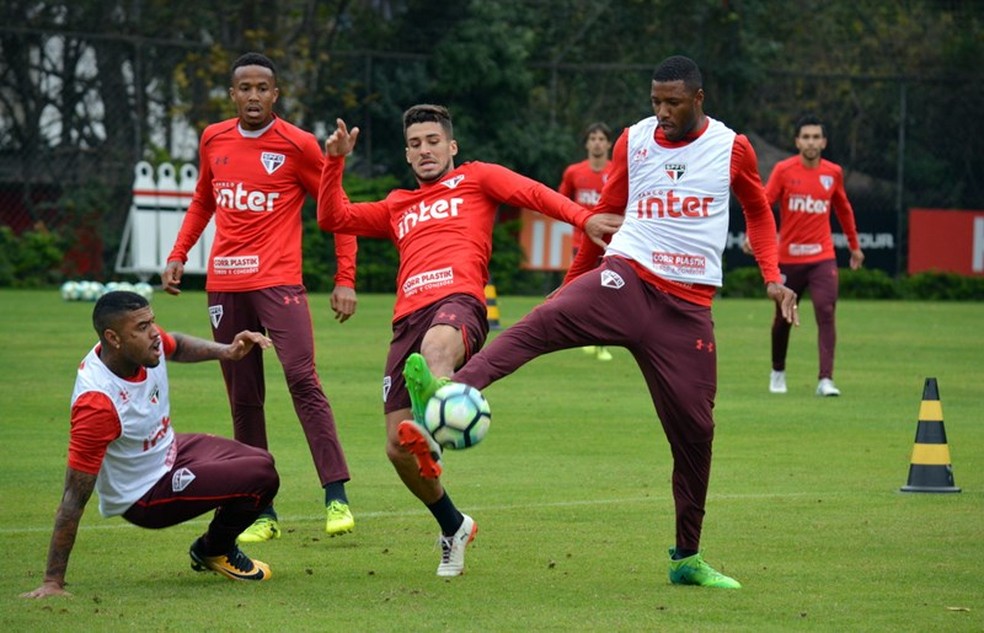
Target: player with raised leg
443,232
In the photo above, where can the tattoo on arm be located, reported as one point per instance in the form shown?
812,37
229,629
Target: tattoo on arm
78,489
191,349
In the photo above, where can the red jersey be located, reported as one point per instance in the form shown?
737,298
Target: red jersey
583,185
744,182
805,196
254,185
442,230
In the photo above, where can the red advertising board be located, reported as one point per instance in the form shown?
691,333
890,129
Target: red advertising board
946,240
546,241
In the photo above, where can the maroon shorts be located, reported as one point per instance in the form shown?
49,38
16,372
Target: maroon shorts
464,312
208,472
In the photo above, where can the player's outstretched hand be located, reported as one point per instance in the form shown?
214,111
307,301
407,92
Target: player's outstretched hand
786,300
601,225
171,277
45,590
342,141
243,343
343,302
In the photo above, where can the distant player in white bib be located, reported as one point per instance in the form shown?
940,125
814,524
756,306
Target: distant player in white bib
123,446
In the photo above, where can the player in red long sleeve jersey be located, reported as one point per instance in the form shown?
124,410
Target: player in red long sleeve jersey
671,178
806,188
582,182
254,173
443,232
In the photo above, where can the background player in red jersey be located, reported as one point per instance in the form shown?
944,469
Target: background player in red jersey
652,294
582,182
122,445
806,187
254,173
443,232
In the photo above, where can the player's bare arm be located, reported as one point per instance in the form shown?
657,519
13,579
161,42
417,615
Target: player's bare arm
601,225
78,490
342,140
171,277
191,349
785,299
343,303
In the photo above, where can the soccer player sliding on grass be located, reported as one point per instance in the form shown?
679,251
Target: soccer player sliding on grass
671,178
443,232
123,446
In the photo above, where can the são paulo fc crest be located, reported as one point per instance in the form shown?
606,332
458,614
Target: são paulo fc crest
181,479
215,314
611,279
451,183
272,161
827,182
675,170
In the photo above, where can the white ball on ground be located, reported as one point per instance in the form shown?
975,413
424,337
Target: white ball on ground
70,291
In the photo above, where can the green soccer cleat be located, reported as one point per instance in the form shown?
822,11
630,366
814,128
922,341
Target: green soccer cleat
340,520
234,565
263,529
692,570
421,385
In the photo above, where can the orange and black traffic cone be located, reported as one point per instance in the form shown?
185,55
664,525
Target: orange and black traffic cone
491,305
930,469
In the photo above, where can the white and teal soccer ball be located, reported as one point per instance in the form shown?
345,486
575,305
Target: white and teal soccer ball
70,291
457,416
143,289
91,290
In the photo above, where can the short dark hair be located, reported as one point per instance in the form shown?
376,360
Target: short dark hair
428,113
679,68
254,59
598,127
810,119
113,304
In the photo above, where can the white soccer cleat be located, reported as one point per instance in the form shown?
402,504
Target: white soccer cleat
777,382
826,388
453,548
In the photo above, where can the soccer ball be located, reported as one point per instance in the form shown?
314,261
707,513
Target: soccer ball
457,416
70,291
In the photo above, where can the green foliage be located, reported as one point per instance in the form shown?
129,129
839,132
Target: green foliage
30,260
867,283
744,282
870,283
935,286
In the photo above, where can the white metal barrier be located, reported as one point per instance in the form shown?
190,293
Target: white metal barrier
156,214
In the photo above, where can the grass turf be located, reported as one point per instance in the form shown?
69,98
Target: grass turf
570,489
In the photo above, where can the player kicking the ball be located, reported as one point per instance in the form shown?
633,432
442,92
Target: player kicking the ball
443,232
672,176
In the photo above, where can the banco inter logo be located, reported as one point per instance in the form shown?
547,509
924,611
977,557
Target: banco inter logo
423,212
235,197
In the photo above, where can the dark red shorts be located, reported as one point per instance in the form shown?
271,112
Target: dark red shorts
464,312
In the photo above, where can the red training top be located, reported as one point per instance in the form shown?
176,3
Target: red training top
583,185
442,230
805,195
255,186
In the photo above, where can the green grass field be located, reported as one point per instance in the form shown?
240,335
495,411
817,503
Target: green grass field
570,488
